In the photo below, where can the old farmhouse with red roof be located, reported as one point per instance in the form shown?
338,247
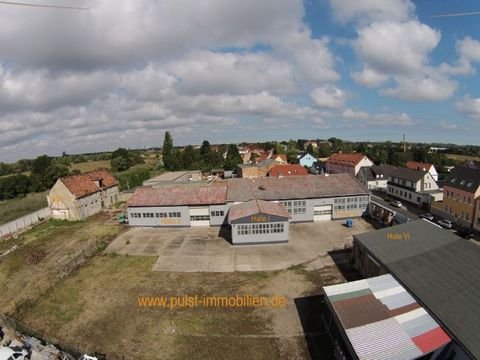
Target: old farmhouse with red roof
77,197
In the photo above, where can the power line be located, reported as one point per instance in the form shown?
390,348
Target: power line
457,14
42,5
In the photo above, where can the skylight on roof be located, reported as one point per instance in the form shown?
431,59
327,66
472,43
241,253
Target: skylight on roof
453,180
469,184
462,182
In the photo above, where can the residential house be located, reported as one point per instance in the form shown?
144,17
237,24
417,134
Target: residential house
280,158
415,186
415,165
287,170
461,197
77,197
349,163
260,169
307,160
375,177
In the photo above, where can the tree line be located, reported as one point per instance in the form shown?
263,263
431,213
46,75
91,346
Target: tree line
203,158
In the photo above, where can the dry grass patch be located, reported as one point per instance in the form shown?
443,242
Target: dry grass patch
63,245
91,165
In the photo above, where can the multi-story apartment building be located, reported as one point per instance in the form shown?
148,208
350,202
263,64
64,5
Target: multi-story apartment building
414,186
461,197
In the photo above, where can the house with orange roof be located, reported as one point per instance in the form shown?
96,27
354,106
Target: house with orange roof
77,197
416,165
349,163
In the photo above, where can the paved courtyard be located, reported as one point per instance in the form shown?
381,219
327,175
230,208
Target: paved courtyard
203,250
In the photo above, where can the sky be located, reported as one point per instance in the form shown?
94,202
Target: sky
122,73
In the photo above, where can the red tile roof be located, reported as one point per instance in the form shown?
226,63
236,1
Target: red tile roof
346,159
287,170
178,196
415,165
257,206
85,184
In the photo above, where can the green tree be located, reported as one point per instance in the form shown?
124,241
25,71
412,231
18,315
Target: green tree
310,149
233,157
324,150
292,156
119,164
188,158
205,149
170,158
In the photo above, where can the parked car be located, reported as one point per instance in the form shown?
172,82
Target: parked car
427,216
465,233
396,203
447,224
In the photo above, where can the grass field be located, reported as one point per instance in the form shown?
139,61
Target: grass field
15,208
90,165
461,157
95,307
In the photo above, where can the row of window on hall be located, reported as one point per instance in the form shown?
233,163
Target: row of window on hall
175,214
249,229
352,203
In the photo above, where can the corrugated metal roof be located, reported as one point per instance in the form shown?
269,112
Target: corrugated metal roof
440,269
298,187
178,196
253,207
374,324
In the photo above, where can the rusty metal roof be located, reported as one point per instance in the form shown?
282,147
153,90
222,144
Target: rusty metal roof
178,196
84,184
253,207
294,187
382,321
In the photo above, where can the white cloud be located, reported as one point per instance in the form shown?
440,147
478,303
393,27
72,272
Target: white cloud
367,11
390,119
369,77
123,72
329,96
398,48
433,87
469,107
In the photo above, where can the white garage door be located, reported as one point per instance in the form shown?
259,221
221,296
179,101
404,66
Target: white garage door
199,216
322,213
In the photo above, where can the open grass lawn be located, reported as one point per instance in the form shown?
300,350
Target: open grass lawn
90,165
14,208
461,157
95,307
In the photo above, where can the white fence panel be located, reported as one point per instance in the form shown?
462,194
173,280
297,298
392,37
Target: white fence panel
25,222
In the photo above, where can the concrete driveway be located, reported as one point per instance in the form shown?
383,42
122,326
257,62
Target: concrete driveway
202,250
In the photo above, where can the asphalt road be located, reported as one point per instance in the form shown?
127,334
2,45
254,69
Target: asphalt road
412,212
